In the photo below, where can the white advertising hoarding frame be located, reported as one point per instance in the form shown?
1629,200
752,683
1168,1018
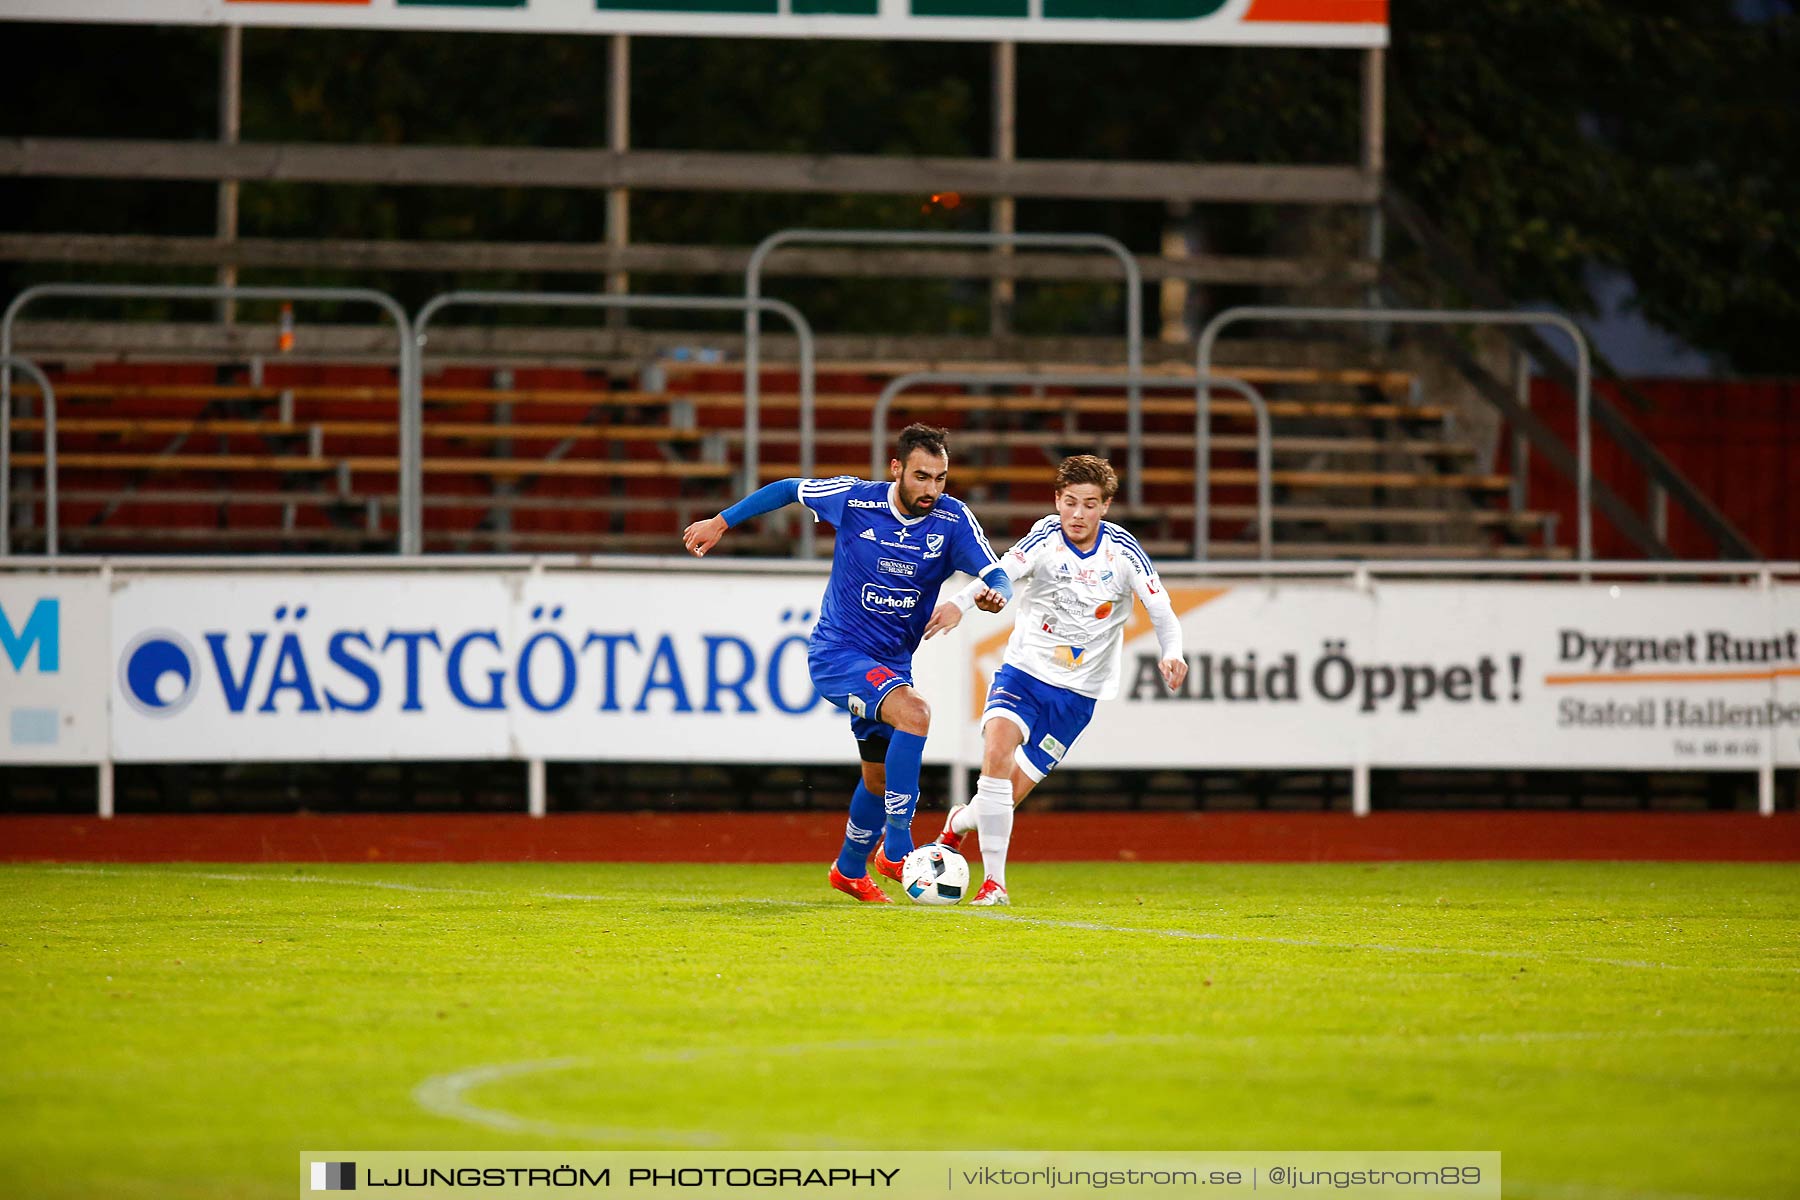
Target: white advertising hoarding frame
1324,665
1231,23
54,658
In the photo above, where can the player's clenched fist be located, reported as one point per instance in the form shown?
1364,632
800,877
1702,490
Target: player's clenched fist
1174,671
702,536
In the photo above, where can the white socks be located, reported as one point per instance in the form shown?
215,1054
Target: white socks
962,820
993,810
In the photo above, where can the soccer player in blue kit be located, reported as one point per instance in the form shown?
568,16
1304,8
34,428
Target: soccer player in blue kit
897,541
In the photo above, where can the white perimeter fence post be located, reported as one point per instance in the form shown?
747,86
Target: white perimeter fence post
1359,788
536,801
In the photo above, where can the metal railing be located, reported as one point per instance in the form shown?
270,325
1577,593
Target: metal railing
137,291
1134,303
1451,262
1405,316
1264,439
9,362
752,413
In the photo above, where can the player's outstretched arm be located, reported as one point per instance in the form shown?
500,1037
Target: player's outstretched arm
990,593
702,536
1172,661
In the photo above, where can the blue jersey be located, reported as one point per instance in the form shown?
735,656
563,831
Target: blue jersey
886,569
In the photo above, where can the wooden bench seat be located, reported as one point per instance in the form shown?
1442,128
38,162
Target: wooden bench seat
1386,380
467,430
1224,404
294,463
970,476
1170,550
1113,441
1108,441
995,513
384,502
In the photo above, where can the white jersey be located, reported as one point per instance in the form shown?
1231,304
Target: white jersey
1073,608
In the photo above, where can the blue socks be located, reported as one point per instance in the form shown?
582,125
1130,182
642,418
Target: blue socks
905,750
860,832
871,814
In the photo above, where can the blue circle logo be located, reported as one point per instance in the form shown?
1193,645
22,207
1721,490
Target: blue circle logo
159,673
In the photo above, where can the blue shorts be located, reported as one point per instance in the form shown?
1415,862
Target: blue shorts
857,684
1051,718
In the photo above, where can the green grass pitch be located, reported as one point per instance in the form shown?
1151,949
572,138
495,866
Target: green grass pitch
1614,1030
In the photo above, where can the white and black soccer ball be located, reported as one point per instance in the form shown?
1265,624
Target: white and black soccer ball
934,874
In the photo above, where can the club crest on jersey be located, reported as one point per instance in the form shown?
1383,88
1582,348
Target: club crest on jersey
1069,656
1104,611
934,545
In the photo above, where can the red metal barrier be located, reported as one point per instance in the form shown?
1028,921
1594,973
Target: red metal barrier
1738,442
814,837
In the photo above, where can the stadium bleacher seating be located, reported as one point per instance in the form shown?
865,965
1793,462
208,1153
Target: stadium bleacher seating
162,457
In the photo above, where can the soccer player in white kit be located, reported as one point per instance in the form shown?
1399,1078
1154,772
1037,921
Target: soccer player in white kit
1080,573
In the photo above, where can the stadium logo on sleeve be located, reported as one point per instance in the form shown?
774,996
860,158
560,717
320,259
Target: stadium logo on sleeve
159,673
334,1177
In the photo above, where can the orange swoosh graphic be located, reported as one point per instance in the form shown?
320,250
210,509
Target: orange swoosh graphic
1677,677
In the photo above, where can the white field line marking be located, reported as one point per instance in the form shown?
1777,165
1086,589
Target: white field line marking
1584,1191
246,878
338,881
442,1095
446,1095
984,915
1314,944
